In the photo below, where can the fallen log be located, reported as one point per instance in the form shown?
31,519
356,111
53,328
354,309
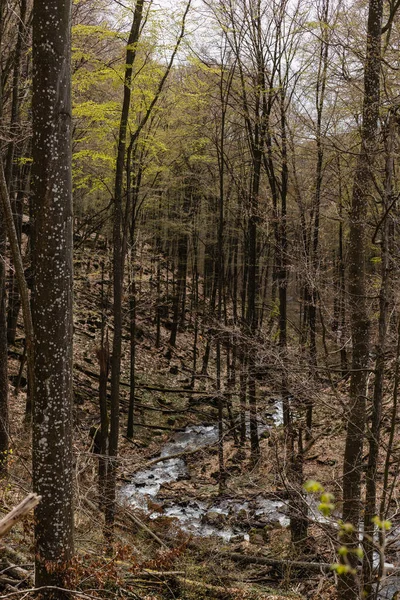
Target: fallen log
212,591
248,559
18,572
221,592
13,556
161,574
154,388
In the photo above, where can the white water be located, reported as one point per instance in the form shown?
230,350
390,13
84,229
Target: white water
192,515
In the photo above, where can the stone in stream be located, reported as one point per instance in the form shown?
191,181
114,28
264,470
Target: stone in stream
242,515
215,518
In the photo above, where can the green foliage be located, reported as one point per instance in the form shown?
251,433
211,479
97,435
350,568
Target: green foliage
313,487
326,506
383,525
345,528
342,569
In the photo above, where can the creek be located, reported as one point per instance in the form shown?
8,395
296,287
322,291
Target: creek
223,517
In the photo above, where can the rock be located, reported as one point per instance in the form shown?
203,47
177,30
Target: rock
215,518
242,515
273,525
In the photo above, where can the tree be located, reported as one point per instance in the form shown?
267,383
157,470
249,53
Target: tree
3,350
118,263
120,231
52,292
3,322
360,326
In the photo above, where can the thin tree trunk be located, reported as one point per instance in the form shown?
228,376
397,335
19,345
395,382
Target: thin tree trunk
243,392
195,309
103,355
118,272
342,283
374,433
22,284
15,108
349,588
319,101
132,307
4,424
14,299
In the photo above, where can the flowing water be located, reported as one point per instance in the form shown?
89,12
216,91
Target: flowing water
204,518
225,518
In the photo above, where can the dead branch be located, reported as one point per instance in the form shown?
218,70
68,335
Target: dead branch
18,513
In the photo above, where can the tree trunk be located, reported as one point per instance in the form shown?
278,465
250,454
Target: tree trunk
4,425
349,588
103,356
180,289
374,433
118,272
52,293
342,284
319,102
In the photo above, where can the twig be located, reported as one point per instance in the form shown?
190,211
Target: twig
50,587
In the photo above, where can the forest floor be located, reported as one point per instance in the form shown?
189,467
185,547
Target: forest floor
154,558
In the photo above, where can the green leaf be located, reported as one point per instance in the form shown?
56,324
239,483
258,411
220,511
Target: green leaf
313,487
326,508
358,552
327,497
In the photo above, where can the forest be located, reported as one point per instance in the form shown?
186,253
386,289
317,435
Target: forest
199,314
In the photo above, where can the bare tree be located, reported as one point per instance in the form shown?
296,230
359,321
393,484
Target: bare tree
120,231
3,322
360,326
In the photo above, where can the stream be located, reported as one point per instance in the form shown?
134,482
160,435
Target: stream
225,518
198,517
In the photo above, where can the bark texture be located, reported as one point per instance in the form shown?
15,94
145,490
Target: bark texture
52,291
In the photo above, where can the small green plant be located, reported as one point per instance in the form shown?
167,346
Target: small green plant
326,507
382,525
